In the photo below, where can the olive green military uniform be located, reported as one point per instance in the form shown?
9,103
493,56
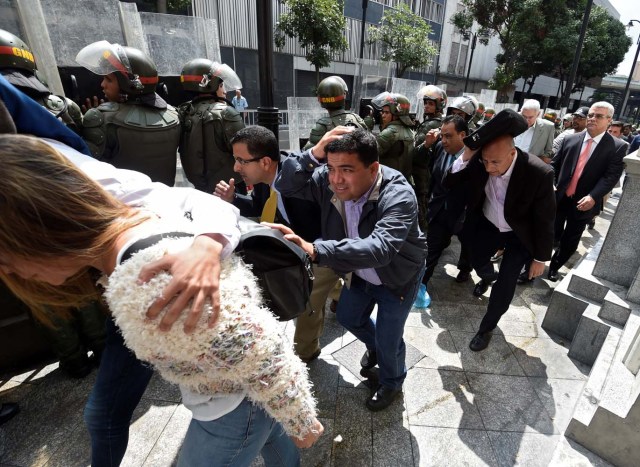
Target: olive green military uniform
421,175
136,137
208,125
335,118
396,146
64,109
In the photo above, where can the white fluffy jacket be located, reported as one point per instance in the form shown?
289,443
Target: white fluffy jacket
245,351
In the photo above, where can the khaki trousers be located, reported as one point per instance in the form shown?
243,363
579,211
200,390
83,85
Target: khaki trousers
309,326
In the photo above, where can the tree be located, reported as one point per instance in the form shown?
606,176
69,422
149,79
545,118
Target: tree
495,18
405,39
319,27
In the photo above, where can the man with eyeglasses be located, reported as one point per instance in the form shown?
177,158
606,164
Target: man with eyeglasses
510,203
258,161
587,167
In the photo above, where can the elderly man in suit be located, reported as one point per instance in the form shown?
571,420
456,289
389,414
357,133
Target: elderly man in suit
587,167
510,202
537,140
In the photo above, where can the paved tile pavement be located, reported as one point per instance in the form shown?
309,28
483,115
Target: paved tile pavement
508,405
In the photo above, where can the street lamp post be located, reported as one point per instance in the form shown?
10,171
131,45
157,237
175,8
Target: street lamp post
473,37
267,113
633,66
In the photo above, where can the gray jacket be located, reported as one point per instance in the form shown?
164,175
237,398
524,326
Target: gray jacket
390,239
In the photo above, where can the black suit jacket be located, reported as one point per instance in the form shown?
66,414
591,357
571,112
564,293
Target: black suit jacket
304,216
529,206
448,204
600,174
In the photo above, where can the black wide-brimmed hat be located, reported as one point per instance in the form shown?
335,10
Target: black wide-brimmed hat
505,122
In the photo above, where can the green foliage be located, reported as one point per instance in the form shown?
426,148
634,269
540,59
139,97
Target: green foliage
319,27
176,7
540,37
405,39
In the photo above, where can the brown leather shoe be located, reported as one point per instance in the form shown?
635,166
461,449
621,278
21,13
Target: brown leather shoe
311,358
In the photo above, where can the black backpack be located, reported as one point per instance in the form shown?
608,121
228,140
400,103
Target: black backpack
283,268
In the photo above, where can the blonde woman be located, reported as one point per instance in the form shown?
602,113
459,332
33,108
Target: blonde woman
248,393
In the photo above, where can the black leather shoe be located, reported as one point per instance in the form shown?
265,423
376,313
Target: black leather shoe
480,288
8,411
463,276
592,224
523,278
552,275
480,341
372,375
369,359
382,399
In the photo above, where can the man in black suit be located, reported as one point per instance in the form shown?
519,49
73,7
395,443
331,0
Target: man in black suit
587,167
510,202
445,209
257,160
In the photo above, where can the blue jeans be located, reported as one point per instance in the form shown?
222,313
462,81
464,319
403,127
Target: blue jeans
384,335
236,439
121,381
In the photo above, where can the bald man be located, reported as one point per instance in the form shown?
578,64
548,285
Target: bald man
510,203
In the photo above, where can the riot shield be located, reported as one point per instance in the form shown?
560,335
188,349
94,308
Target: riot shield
303,112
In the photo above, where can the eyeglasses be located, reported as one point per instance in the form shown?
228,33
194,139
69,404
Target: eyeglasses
247,161
597,116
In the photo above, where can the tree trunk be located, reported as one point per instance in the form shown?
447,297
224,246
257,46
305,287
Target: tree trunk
317,78
161,6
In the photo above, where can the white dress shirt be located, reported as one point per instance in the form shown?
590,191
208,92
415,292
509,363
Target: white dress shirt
496,191
523,140
596,140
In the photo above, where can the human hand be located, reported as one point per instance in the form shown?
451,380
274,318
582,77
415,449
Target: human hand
293,237
468,153
431,137
536,268
331,135
91,104
196,277
311,437
586,203
225,191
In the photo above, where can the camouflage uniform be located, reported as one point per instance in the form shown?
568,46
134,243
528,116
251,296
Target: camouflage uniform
336,118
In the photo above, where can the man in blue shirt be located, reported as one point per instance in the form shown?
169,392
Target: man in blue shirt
370,235
240,103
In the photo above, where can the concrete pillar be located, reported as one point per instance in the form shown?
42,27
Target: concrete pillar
619,259
37,36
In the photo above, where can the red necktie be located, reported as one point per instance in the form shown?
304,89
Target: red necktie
582,161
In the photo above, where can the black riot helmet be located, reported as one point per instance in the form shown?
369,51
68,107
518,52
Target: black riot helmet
18,65
204,76
332,92
135,71
15,53
435,94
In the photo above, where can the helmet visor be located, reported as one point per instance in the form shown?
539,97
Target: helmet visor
382,99
229,77
103,58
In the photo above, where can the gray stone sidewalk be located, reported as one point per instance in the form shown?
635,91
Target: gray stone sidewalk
508,405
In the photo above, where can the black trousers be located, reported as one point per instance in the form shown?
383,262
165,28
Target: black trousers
438,239
485,241
569,226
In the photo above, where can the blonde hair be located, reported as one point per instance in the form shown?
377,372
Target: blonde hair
50,210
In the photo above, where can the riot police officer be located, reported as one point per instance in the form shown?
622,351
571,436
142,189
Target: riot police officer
136,129
464,106
332,94
396,140
479,114
208,121
18,66
435,100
